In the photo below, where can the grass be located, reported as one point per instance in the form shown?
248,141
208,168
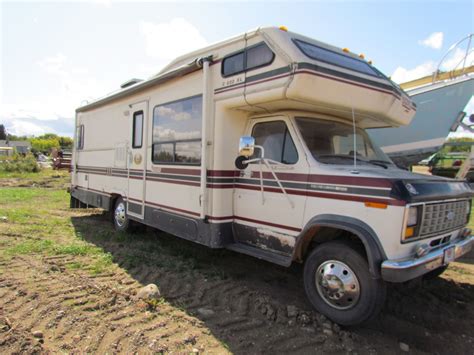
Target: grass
37,221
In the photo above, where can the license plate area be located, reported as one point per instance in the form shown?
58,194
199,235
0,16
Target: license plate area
449,255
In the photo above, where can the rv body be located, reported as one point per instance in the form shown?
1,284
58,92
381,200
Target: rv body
161,152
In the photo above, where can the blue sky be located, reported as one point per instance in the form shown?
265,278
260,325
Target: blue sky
55,55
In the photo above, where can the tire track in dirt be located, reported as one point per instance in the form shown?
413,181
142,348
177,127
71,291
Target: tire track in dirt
93,303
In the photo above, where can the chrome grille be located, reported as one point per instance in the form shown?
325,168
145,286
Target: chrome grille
439,217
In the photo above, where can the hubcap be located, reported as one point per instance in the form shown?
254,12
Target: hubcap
120,214
337,284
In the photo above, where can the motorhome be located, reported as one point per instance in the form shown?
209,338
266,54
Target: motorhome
258,144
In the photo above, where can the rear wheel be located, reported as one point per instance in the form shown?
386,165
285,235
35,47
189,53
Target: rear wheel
339,285
121,221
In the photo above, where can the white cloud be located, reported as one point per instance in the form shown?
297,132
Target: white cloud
434,40
22,128
169,40
402,75
452,61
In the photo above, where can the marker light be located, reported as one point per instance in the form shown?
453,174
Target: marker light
362,56
345,50
376,205
370,62
283,28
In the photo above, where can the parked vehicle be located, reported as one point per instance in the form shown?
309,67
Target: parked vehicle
257,144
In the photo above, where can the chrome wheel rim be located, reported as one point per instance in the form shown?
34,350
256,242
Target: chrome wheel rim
337,284
119,214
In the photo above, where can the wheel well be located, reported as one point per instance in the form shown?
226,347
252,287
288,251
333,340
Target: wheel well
113,200
318,235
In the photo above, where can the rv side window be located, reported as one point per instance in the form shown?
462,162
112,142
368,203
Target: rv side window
253,57
339,59
276,141
137,129
80,137
177,132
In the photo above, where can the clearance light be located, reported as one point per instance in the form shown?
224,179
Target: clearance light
382,206
362,56
370,62
283,28
345,50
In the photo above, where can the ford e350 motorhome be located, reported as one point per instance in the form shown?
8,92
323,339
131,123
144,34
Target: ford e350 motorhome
258,144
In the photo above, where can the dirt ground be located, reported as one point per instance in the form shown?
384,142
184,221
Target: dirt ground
68,284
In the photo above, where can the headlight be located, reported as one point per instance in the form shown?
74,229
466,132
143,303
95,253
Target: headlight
412,219
412,216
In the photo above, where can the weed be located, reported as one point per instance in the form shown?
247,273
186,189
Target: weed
101,264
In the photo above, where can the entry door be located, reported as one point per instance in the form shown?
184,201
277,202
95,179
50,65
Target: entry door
272,219
137,159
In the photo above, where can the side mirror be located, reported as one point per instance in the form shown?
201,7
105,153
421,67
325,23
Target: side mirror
241,162
246,149
246,146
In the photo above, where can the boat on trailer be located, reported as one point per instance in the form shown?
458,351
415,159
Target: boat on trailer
440,100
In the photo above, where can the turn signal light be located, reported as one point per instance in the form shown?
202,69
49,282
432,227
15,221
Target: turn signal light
283,28
382,206
409,232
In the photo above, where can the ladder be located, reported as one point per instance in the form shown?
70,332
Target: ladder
466,165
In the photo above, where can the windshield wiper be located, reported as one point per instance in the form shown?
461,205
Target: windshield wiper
381,163
342,156
384,163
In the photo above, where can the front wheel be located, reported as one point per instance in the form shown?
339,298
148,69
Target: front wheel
121,221
338,284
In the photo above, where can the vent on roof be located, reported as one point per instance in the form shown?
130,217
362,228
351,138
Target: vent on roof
130,83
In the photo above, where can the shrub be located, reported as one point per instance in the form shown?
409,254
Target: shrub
18,163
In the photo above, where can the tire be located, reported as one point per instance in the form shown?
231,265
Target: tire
338,284
119,217
433,274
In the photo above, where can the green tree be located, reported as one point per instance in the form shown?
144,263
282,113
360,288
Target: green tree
44,145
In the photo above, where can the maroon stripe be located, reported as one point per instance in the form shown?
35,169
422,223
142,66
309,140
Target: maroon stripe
172,208
268,223
323,195
223,173
218,91
220,218
177,182
305,71
180,171
327,179
98,191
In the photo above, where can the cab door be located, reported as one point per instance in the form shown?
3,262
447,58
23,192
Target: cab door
136,166
271,217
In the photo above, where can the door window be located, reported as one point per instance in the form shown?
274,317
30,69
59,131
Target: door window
137,129
276,141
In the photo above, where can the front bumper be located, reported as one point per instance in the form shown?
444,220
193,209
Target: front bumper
408,269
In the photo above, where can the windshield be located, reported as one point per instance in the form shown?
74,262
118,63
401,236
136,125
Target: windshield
332,142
